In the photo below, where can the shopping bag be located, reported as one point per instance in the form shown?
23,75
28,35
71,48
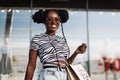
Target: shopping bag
77,72
71,74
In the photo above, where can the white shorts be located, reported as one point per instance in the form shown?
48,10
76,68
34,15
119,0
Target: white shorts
53,74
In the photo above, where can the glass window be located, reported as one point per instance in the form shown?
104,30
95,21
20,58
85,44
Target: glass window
103,39
20,38
3,14
104,44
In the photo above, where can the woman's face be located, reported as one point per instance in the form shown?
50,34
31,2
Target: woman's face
52,21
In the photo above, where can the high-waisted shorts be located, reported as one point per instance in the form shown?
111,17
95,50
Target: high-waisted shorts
53,73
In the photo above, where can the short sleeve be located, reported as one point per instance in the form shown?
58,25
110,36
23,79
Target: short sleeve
34,43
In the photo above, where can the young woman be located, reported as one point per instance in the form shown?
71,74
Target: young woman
52,49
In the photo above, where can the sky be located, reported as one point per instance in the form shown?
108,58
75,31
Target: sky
103,32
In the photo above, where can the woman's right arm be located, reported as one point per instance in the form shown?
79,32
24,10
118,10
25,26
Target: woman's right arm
31,64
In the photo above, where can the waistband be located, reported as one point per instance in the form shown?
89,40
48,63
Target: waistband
55,63
54,67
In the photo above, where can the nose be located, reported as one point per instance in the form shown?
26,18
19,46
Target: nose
53,21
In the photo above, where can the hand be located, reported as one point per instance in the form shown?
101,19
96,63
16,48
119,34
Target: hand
81,48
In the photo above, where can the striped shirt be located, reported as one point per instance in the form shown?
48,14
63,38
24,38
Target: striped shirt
50,48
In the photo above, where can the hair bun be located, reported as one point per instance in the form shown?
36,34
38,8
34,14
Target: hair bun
38,17
63,15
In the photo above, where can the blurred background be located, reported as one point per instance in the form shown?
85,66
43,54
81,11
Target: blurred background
99,29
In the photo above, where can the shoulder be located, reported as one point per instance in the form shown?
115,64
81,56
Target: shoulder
38,37
59,38
35,37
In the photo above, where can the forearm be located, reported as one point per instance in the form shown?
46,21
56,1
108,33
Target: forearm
31,64
72,57
30,72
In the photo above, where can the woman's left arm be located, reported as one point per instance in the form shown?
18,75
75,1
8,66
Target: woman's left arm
80,50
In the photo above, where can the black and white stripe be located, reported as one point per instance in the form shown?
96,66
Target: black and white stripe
49,46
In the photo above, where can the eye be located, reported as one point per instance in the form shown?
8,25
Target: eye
53,19
57,19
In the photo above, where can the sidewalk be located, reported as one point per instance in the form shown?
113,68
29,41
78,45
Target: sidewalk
94,76
19,76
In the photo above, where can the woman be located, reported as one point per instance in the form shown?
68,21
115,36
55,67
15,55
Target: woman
52,49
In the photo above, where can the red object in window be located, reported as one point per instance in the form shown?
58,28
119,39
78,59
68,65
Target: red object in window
100,63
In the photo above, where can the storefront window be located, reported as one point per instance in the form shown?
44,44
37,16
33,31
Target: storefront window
103,39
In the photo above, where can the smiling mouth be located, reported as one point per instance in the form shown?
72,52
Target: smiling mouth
53,26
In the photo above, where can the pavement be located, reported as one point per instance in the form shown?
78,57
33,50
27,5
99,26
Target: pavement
94,76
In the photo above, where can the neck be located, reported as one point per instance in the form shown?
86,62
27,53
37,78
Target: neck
50,33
